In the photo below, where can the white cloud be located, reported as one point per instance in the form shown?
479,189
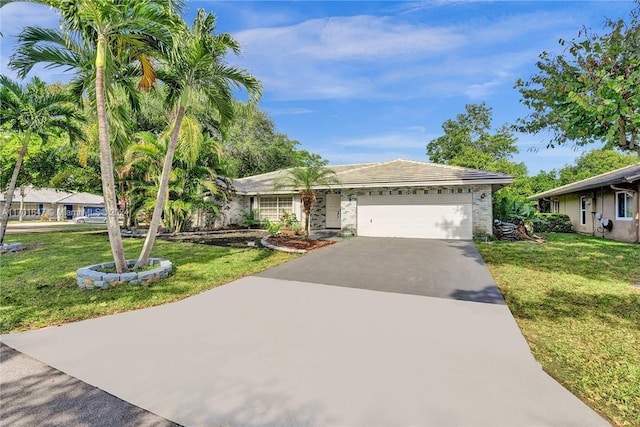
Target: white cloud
388,141
289,111
359,37
342,158
14,16
369,57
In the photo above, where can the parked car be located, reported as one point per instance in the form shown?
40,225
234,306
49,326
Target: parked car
97,218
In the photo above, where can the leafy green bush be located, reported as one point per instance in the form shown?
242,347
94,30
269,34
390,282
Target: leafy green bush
552,223
288,225
273,227
251,218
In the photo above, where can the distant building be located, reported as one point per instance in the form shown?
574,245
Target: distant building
31,203
606,205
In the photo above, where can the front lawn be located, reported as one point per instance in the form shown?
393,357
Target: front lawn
574,302
38,286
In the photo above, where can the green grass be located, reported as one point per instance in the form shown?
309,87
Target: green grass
38,286
574,302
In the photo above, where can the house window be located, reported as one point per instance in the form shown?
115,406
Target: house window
583,210
271,207
624,205
555,206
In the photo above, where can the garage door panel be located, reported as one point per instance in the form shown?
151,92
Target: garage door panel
421,199
435,221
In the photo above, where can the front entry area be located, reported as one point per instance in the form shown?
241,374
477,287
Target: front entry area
333,211
427,216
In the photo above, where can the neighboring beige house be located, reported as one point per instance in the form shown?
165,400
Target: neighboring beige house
606,205
400,198
31,203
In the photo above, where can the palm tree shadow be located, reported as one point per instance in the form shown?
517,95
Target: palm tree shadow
488,294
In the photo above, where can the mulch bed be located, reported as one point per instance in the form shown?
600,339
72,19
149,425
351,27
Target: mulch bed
299,243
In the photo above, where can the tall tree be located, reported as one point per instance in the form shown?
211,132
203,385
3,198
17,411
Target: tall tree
591,92
99,39
253,146
596,162
33,111
469,140
195,70
305,180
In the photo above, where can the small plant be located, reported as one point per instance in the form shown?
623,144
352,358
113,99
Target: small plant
273,227
287,226
291,222
251,218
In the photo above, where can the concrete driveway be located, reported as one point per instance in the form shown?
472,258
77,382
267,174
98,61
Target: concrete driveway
272,351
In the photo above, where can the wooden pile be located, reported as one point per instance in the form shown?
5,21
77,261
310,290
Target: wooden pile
505,230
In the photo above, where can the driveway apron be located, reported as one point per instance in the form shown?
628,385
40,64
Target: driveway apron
284,349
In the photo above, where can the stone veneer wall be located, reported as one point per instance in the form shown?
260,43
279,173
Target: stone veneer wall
481,207
236,208
319,211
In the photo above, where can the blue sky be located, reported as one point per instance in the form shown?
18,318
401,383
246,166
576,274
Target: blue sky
360,81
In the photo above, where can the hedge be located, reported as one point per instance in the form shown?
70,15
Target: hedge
552,223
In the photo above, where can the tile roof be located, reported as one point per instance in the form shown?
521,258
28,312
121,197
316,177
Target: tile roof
397,173
618,176
52,195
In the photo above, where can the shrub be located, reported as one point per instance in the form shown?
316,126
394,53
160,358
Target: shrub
552,223
287,226
251,218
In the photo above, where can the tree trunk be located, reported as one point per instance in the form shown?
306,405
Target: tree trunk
162,191
21,212
106,164
8,198
307,221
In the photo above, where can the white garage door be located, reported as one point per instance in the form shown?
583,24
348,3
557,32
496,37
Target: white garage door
430,216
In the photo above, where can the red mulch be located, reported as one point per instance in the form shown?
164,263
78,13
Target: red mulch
298,243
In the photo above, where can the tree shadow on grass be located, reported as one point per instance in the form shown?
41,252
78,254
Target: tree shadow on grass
584,256
489,295
556,304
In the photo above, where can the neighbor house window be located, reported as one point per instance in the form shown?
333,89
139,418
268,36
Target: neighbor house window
583,210
271,207
624,205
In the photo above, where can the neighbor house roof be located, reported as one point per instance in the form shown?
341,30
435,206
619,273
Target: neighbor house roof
396,173
52,196
618,176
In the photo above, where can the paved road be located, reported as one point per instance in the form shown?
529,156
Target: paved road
265,351
45,227
34,394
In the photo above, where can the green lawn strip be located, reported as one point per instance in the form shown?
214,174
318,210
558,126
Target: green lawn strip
573,300
38,286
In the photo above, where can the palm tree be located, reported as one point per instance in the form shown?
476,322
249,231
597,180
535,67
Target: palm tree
195,72
100,39
305,180
31,111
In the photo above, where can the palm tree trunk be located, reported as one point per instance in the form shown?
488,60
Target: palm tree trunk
162,191
8,198
106,164
307,222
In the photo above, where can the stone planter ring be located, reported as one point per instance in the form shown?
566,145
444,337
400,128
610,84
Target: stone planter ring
94,276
